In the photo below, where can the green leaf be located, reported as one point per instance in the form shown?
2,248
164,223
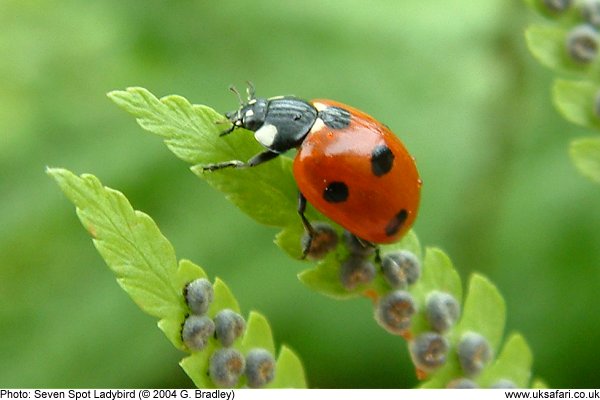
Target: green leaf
268,194
548,45
258,334
289,372
514,363
142,259
585,153
196,366
575,101
484,311
129,241
410,242
439,274
188,271
223,298
145,265
289,240
186,129
325,278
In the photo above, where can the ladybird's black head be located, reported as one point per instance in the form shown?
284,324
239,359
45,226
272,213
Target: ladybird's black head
250,116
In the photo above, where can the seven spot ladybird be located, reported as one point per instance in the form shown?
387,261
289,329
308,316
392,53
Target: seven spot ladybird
349,166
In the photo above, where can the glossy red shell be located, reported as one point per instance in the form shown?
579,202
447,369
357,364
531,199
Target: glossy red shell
344,155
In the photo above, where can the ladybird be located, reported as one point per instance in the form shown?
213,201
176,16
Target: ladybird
348,165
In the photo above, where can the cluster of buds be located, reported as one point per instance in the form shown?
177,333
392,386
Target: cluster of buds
227,364
432,343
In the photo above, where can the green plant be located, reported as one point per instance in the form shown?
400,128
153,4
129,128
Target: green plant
146,267
568,42
417,295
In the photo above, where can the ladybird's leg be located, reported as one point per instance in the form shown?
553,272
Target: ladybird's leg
377,254
307,226
375,248
260,158
228,131
368,246
234,118
253,162
301,209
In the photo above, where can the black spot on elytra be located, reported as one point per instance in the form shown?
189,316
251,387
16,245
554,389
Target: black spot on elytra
382,160
396,223
335,117
336,192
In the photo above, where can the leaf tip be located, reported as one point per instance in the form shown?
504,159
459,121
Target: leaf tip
52,171
116,95
585,153
60,175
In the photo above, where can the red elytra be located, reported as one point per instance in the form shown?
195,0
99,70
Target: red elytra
373,179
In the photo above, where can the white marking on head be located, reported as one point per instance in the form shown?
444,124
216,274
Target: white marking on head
320,106
249,113
318,125
266,134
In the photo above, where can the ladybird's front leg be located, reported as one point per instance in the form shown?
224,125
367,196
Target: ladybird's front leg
228,130
253,162
225,164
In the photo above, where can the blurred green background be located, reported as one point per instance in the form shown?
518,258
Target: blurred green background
454,80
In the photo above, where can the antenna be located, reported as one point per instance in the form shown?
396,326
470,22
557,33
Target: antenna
234,90
250,90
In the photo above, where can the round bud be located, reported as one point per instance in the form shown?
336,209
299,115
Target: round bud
474,352
356,271
442,311
357,247
225,367
229,325
590,12
324,239
196,331
394,311
198,295
429,350
401,268
504,384
557,6
260,368
582,43
462,383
